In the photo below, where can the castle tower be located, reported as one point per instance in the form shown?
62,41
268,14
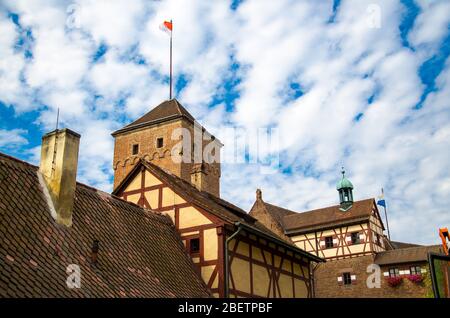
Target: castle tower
157,137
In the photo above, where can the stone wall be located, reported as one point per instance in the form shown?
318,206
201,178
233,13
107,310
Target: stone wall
259,212
327,285
146,138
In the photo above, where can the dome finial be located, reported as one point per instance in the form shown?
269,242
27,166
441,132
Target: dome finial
343,172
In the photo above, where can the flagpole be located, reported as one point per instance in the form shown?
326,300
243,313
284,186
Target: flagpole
385,214
170,76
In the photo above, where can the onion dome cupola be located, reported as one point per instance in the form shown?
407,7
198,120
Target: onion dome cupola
345,189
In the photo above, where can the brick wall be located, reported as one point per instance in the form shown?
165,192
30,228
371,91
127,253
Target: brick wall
327,285
259,212
146,138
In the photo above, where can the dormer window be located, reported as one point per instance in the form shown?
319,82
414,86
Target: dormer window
135,149
159,142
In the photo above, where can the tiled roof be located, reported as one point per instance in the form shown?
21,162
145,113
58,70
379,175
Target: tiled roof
222,209
329,216
167,110
140,252
398,245
278,213
217,206
406,255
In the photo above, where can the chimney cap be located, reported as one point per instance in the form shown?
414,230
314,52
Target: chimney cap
64,130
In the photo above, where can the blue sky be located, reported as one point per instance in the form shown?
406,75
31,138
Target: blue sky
365,85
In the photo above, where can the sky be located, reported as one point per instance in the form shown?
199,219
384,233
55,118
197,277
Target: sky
359,84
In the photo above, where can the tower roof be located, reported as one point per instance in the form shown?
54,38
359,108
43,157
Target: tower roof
167,110
344,183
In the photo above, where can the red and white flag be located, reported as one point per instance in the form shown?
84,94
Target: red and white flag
166,26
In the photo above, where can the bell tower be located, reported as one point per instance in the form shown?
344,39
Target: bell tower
345,189
156,137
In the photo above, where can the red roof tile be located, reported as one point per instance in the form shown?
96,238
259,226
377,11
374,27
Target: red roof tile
140,252
406,255
167,110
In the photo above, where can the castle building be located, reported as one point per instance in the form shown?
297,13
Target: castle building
165,232
350,237
236,255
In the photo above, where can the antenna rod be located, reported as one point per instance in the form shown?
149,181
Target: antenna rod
57,119
170,76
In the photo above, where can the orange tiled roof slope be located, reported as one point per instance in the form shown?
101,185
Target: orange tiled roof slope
167,110
328,216
214,205
140,253
406,255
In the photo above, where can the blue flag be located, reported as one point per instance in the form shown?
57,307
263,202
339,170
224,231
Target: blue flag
381,200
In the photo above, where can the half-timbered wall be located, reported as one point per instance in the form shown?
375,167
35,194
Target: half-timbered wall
192,223
370,234
377,233
315,242
257,268
261,269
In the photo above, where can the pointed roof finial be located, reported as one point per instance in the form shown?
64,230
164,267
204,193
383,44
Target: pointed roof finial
258,194
343,172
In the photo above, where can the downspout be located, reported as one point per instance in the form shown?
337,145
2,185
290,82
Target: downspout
227,269
313,273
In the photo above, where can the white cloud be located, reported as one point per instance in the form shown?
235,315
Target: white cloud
11,64
12,139
115,22
338,66
431,25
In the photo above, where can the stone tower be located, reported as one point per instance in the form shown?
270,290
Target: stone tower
156,137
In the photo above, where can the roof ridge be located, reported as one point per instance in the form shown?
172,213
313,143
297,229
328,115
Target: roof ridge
410,248
279,207
177,104
9,157
82,185
327,207
204,194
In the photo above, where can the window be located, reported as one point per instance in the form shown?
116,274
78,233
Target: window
415,270
135,149
194,246
159,142
394,272
378,239
329,242
347,278
355,238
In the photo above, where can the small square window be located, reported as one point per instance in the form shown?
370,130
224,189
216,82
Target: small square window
394,272
347,278
159,142
415,270
355,238
329,242
135,149
194,246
